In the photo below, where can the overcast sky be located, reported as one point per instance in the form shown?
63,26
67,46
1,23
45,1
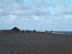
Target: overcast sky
40,15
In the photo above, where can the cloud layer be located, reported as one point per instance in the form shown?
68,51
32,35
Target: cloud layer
42,13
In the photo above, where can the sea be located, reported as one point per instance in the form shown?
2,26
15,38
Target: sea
60,32
63,32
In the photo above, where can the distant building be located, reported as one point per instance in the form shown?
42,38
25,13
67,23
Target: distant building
15,29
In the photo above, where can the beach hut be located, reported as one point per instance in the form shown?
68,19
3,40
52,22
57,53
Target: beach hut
15,29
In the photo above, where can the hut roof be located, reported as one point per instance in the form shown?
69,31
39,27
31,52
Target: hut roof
15,28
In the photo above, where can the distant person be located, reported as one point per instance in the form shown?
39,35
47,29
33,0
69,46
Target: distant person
23,31
46,31
27,31
51,31
34,30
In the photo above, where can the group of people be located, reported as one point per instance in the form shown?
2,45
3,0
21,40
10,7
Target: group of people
28,31
50,32
34,31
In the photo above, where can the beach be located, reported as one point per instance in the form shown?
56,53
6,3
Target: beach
34,43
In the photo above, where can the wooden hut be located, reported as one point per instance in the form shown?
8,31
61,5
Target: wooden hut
15,29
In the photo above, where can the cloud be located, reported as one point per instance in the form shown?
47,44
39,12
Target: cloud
8,18
40,11
1,11
11,17
65,10
22,12
16,8
36,18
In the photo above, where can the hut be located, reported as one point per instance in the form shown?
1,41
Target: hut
15,29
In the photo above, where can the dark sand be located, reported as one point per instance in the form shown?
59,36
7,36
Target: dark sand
34,43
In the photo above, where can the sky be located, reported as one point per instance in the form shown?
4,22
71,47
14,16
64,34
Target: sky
41,15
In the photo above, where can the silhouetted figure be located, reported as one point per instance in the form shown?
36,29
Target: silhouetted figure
27,31
51,31
23,31
34,30
46,31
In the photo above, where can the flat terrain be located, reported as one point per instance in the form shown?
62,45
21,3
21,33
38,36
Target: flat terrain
34,43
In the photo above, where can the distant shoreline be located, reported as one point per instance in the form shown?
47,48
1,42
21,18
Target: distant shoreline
54,32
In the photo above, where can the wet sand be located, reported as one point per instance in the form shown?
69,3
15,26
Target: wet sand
34,43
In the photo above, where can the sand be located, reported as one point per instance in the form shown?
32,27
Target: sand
34,43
